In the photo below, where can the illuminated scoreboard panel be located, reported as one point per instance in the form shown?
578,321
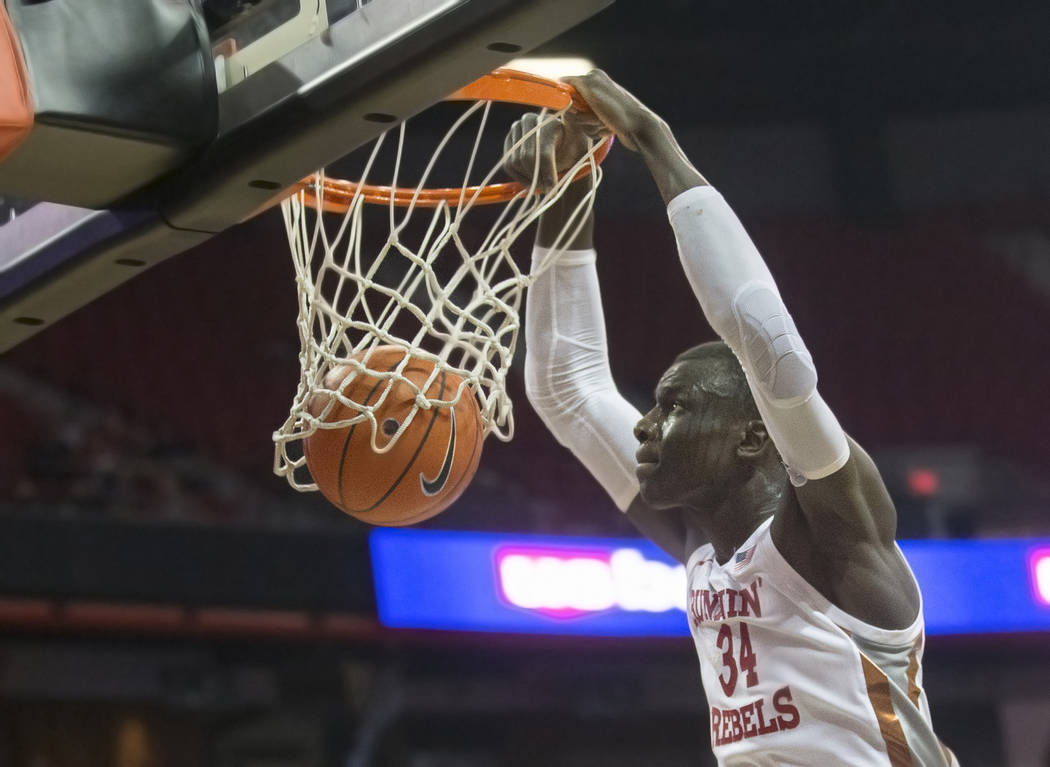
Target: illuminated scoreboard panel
628,587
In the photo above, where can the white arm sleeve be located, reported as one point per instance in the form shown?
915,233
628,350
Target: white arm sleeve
567,376
742,304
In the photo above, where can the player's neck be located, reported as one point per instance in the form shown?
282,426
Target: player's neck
729,522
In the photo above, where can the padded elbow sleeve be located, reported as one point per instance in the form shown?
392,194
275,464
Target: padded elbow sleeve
771,347
740,300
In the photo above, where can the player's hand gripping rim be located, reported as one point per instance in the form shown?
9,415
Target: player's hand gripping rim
619,112
549,147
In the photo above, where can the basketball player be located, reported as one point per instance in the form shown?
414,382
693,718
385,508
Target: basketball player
806,618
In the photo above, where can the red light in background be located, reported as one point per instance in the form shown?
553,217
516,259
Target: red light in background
924,482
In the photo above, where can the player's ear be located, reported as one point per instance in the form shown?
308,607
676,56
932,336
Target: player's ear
754,441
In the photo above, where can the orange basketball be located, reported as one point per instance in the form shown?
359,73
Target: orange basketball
424,472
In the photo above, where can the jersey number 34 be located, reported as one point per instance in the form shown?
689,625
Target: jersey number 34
732,663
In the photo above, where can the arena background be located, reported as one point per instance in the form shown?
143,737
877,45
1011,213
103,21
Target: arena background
166,601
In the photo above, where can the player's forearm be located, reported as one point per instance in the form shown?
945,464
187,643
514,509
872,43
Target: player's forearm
668,164
555,218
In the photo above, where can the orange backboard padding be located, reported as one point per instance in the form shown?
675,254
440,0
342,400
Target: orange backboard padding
16,104
504,85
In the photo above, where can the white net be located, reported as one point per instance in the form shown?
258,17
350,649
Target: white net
439,282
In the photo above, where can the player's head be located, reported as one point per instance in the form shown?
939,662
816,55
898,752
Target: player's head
704,435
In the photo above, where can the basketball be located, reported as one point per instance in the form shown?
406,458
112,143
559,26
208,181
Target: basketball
428,467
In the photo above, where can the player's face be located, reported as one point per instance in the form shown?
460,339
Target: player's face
687,442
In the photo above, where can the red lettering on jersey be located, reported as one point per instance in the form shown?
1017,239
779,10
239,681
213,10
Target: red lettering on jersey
747,714
730,597
725,643
749,601
731,725
712,606
707,605
737,733
694,607
788,719
764,728
748,659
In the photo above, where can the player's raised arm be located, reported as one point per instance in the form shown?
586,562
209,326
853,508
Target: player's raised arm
567,375
741,302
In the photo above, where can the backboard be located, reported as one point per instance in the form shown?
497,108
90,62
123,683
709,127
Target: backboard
299,83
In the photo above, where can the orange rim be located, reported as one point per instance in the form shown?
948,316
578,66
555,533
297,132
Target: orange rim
503,85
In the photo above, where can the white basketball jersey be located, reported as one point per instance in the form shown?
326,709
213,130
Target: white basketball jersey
793,680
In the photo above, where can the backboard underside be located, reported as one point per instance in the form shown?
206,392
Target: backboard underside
286,108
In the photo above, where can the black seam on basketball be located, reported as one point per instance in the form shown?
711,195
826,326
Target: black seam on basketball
349,434
411,460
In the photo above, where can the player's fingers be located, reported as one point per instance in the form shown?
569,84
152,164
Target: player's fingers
539,149
521,159
529,121
530,149
519,131
586,123
590,87
508,143
548,134
618,110
530,145
595,87
512,154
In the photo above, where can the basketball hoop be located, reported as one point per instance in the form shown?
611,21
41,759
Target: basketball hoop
441,284
504,85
